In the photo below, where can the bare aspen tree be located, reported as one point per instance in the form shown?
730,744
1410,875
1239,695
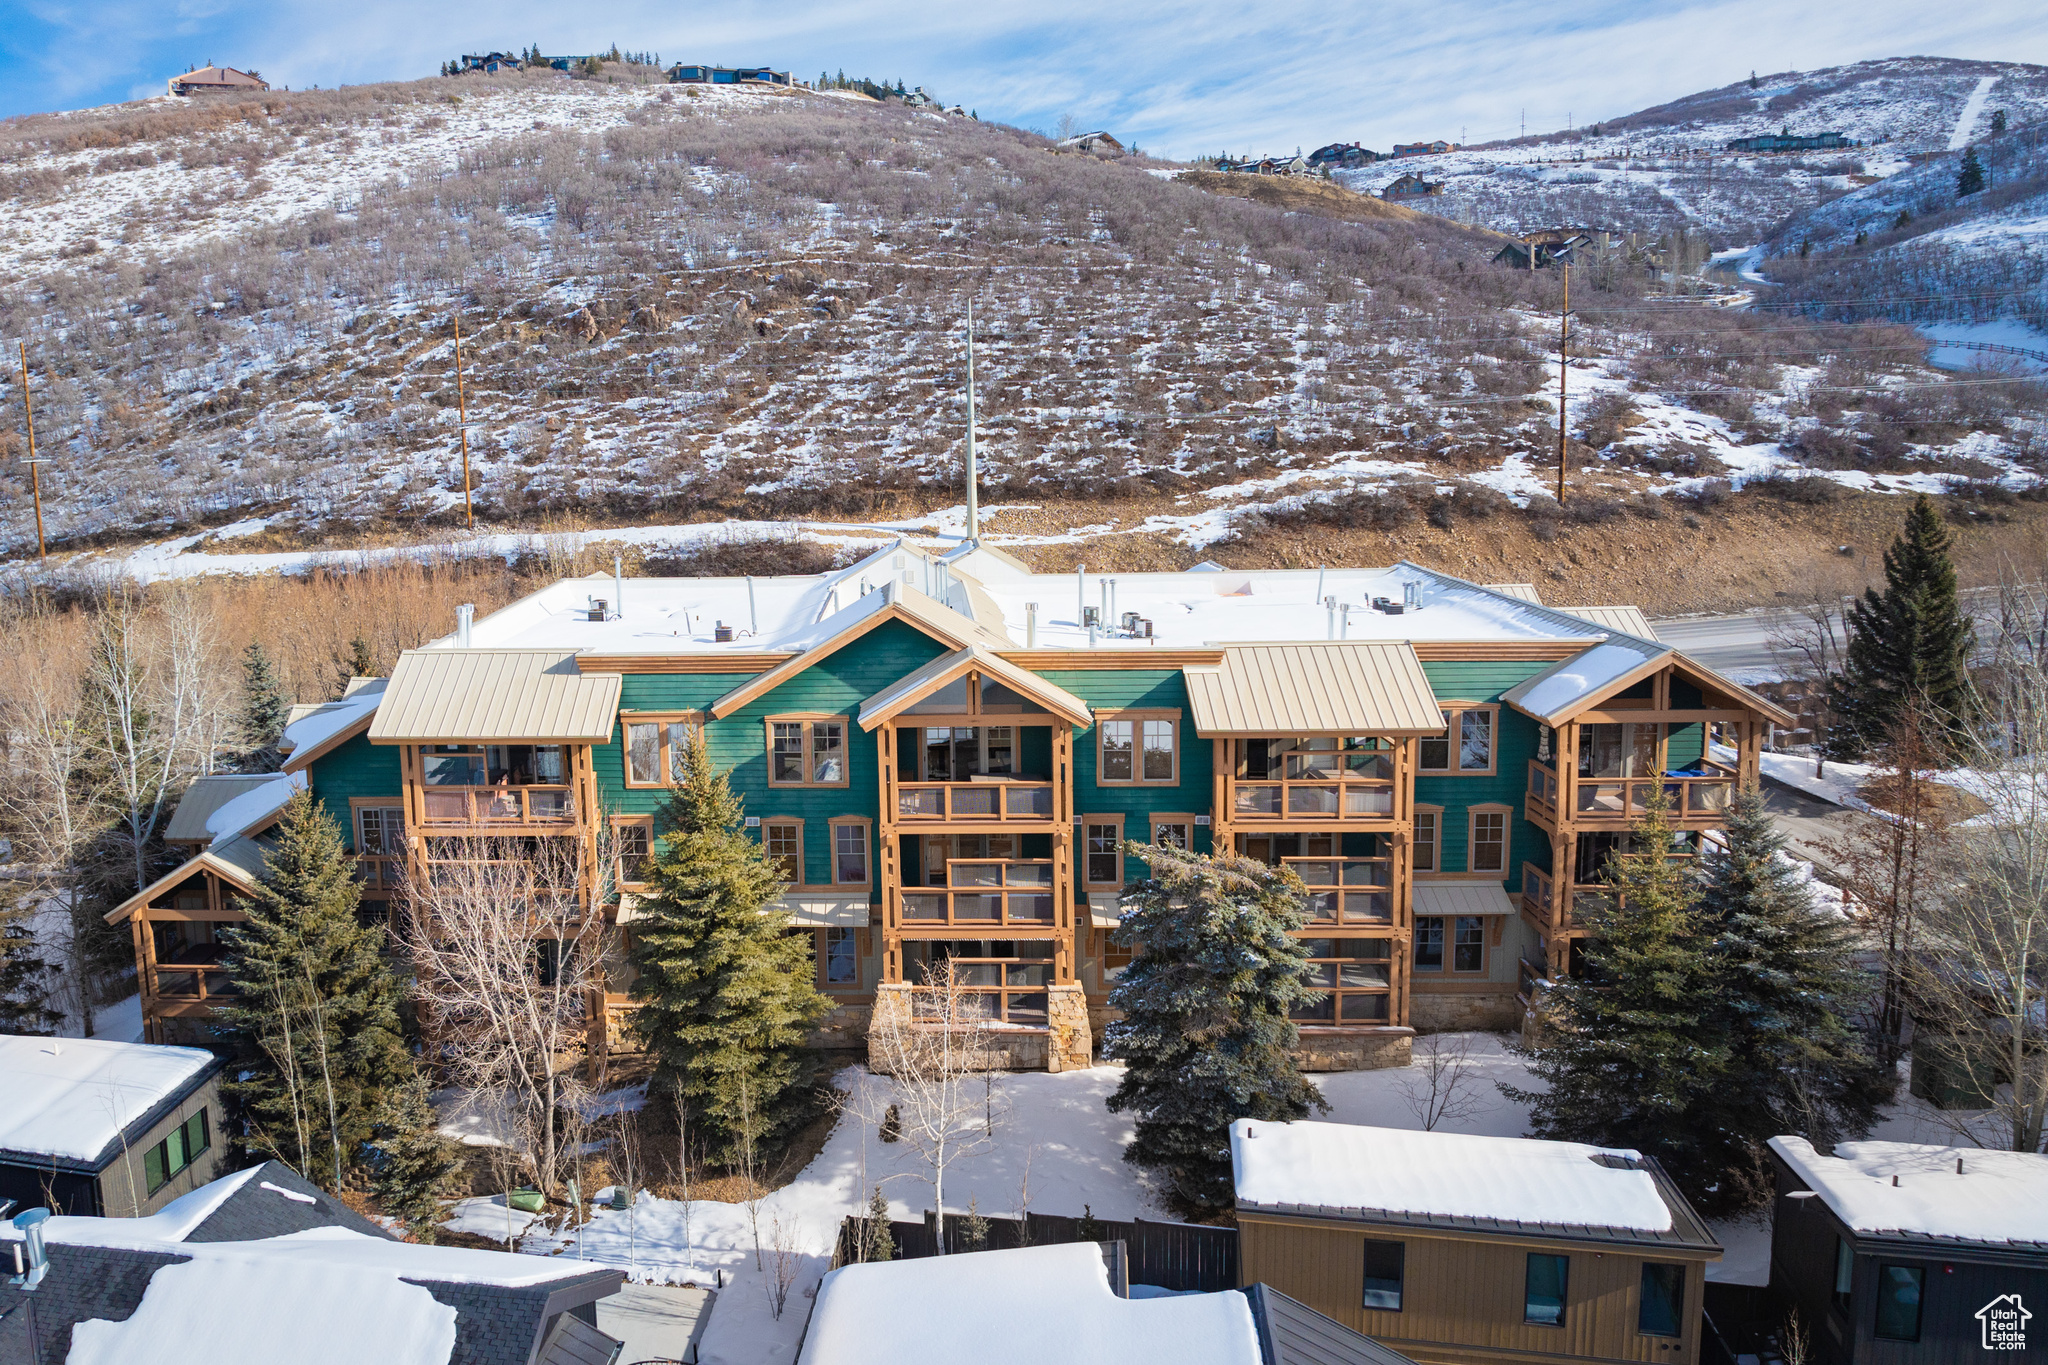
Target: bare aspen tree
506,948
1440,1086
937,1056
1808,644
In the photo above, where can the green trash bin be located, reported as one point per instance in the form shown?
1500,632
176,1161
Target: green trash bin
526,1199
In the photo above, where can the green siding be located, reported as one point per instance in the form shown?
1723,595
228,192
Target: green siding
1687,744
1514,746
356,768
1139,689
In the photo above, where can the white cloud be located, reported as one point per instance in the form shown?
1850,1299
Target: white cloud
1183,78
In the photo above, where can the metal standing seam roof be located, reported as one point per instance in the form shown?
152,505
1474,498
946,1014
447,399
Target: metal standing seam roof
1344,687
496,696
205,796
1629,620
1292,1333
1525,592
1462,898
913,686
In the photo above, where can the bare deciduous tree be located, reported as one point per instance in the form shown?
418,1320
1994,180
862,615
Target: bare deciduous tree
1440,1086
1808,644
507,961
938,1055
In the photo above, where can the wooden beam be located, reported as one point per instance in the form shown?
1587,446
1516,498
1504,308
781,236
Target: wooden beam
739,665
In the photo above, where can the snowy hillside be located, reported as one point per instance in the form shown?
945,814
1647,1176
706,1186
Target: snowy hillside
1668,167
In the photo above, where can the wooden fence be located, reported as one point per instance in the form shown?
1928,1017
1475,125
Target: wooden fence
1178,1256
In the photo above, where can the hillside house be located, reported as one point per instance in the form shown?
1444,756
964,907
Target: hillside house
681,74
1789,142
1909,1254
1451,1248
217,80
1437,148
1548,247
1341,156
1412,186
1094,144
106,1129
945,752
491,63
261,1265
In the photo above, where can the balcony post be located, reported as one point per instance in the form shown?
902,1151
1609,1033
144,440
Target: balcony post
1067,920
888,860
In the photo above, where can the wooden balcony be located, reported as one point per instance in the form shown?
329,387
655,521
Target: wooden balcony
497,807
1542,793
1344,799
1000,800
1605,801
986,894
380,876
1347,892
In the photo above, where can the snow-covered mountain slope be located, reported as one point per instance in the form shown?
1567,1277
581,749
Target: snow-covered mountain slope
681,305
1668,167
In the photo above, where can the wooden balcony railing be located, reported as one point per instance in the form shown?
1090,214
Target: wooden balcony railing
939,801
1347,891
1702,797
1345,798
985,892
1542,791
449,806
1536,892
380,875
206,982
1009,991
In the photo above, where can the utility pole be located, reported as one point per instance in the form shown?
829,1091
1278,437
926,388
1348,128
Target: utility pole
462,418
35,465
973,502
1564,314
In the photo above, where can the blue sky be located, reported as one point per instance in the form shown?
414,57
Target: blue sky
1182,78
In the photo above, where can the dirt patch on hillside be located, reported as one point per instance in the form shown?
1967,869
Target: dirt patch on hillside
1887,792
1299,194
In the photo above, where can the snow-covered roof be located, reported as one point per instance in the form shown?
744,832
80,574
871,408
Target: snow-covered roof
249,809
1918,1190
1022,1307
203,811
1550,694
73,1098
1347,1170
314,728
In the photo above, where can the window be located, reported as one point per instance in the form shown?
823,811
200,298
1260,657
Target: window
492,765
1102,852
1468,947
1428,836
633,841
1544,1289
1658,1310
841,957
807,752
1898,1301
1488,849
1350,977
380,831
163,1162
655,745
1173,832
1317,776
1466,745
783,843
1383,1275
1845,1273
958,753
1115,957
850,852
1137,749
1429,943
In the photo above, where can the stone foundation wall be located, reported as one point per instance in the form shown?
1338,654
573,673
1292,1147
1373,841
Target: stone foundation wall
1494,1012
1342,1050
1065,1045
845,1026
1069,1031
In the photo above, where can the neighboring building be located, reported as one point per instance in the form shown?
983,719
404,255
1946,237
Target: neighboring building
1903,1254
491,63
1059,1303
1342,156
261,1265
946,752
1412,186
1095,144
217,80
1788,142
1424,148
1545,248
1451,1248
115,1130
727,75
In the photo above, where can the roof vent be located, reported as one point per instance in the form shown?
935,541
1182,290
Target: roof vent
464,614
1615,1161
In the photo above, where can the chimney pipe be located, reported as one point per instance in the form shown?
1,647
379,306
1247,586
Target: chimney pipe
619,586
1080,592
1031,625
1319,582
464,614
753,616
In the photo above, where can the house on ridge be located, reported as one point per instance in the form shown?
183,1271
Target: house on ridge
217,80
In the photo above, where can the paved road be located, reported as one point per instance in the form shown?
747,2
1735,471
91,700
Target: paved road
1743,640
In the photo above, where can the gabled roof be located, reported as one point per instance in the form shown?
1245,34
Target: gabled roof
891,602
1591,676
1349,688
1629,620
320,729
1292,1333
920,683
193,820
495,696
237,861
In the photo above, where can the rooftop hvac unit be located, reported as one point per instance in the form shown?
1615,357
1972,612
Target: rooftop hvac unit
600,610
721,634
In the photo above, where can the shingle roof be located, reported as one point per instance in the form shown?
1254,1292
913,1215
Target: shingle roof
84,1282
257,1210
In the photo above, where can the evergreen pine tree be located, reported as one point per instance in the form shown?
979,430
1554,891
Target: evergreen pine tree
1997,122
1626,1058
1970,175
877,1244
26,980
357,663
1754,83
264,711
726,991
1901,222
314,1026
1785,985
1909,648
1206,1035
413,1162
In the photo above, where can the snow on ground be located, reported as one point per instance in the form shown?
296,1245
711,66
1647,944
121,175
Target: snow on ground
2003,332
1966,122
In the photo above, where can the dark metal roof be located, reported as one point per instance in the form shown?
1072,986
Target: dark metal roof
1292,1333
1687,1231
127,1138
253,1213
